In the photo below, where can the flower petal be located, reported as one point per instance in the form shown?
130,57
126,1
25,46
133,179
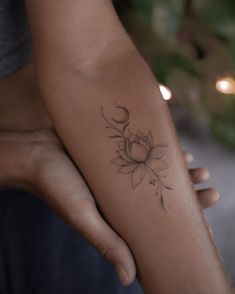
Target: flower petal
157,165
139,134
128,147
145,138
138,175
119,161
145,143
158,151
126,169
124,156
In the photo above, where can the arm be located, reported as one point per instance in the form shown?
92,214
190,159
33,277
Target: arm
92,77
28,155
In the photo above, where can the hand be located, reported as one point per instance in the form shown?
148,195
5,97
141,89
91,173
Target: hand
206,197
36,161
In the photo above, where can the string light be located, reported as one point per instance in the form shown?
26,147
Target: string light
226,85
166,92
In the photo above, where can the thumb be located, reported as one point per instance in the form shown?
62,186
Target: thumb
66,192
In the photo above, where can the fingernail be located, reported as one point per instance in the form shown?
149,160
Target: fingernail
123,276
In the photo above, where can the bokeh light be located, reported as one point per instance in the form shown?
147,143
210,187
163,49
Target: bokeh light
226,85
166,92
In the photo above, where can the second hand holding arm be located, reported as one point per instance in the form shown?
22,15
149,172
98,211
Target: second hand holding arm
36,161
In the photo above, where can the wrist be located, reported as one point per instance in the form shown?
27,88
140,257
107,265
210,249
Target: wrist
20,152
12,162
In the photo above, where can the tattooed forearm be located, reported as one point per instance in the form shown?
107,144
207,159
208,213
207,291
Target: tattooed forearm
136,154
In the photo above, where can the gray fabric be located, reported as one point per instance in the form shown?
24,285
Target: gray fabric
15,40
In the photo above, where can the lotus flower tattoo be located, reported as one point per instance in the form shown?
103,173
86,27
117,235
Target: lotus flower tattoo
137,154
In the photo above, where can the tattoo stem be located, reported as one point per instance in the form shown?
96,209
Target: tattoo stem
161,184
104,117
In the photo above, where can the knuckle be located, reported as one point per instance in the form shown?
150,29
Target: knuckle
104,250
72,221
78,215
112,250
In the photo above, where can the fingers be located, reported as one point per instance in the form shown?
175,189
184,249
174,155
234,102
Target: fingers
91,225
199,175
208,197
67,193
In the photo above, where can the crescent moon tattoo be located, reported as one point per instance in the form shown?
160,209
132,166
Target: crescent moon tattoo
126,116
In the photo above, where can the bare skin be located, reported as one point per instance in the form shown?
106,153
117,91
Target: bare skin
30,150
85,63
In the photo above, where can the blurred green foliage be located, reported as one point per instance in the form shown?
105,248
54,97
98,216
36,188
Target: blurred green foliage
219,15
189,44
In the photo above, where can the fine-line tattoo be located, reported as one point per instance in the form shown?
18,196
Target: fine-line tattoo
136,154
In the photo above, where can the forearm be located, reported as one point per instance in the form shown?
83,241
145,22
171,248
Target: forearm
21,107
171,244
70,33
164,228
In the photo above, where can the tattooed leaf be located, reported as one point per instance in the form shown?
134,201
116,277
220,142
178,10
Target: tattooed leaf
150,137
152,181
167,187
124,127
140,134
127,168
158,151
157,165
160,166
162,203
121,145
132,138
124,156
138,175
119,161
127,147
115,136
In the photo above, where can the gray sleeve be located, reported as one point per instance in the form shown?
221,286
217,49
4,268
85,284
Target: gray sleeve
15,40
